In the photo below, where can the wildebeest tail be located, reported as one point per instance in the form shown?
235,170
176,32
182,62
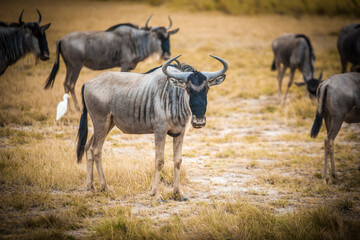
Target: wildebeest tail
273,66
319,113
51,79
83,130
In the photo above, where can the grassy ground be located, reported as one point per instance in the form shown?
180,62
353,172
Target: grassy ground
252,173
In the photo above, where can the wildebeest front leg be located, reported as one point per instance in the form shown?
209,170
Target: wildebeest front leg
291,79
177,149
160,138
281,72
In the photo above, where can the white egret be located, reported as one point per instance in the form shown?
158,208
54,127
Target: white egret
62,107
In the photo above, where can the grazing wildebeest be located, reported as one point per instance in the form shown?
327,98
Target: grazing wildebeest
160,102
349,46
295,51
339,101
122,45
18,39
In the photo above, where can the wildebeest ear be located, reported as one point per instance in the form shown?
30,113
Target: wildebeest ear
177,83
217,80
174,31
46,26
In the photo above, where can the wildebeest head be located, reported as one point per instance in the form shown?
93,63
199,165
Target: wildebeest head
35,37
163,34
197,85
312,84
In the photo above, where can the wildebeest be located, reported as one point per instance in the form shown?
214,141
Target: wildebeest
339,101
295,51
122,45
18,39
160,102
349,46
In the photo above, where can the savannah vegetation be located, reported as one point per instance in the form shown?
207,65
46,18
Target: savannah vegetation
252,172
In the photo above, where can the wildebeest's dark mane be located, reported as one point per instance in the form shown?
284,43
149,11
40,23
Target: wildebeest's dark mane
187,68
13,24
121,24
308,42
183,67
155,68
4,24
312,54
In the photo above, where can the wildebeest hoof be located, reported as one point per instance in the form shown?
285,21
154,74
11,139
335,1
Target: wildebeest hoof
106,189
161,200
326,180
178,196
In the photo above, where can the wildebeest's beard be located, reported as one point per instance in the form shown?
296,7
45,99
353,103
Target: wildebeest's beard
165,47
44,50
197,90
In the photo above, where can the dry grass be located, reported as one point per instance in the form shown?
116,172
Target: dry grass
252,172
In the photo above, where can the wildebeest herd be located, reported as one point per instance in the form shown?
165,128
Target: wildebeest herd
164,99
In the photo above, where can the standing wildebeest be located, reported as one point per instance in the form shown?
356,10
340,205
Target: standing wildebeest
349,46
160,102
122,45
295,51
18,39
339,101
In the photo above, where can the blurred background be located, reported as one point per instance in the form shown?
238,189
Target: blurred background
252,172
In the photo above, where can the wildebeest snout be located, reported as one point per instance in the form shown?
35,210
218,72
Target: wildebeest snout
166,56
198,122
45,56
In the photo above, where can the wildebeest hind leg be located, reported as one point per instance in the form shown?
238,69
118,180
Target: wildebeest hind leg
89,166
332,130
101,129
72,74
73,79
177,148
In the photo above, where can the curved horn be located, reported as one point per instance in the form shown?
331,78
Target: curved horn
39,16
210,75
147,21
20,18
170,24
321,74
178,64
176,75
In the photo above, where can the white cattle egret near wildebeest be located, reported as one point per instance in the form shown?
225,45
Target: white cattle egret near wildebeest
62,107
